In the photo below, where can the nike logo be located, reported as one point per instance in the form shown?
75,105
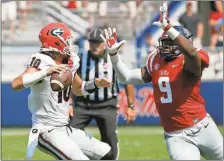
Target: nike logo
205,126
174,65
50,130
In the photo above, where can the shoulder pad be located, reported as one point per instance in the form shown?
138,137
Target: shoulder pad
40,61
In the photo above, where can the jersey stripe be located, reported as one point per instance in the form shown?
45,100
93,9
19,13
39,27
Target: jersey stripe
105,74
97,76
151,60
51,147
87,69
92,76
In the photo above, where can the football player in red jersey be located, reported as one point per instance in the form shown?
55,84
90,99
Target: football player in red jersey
175,69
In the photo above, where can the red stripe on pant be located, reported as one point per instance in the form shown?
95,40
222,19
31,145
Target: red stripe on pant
56,149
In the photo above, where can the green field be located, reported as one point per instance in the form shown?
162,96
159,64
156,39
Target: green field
136,143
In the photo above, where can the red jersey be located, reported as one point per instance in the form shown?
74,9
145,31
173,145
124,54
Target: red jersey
72,4
176,91
215,15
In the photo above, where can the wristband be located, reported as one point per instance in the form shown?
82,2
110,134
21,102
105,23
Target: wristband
132,106
172,33
167,27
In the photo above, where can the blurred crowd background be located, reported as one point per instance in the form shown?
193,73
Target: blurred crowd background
204,19
22,21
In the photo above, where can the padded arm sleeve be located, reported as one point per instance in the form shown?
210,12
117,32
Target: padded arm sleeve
30,79
125,75
41,62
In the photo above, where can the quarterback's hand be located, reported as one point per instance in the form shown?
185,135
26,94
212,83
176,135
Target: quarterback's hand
110,41
103,83
163,22
57,68
130,115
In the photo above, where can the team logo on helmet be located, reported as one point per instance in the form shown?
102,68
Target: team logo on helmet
57,31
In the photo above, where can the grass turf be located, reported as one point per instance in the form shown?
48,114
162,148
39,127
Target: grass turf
136,143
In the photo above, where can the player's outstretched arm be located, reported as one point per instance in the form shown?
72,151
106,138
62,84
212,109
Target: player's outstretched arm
80,88
17,83
32,75
125,75
192,60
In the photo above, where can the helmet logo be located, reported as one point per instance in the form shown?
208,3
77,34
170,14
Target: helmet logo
57,31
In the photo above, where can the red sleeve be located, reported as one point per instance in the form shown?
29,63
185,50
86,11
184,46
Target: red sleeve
204,57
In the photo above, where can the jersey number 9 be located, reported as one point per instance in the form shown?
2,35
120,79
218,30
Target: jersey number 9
164,86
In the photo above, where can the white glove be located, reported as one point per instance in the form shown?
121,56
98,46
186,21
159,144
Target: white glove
163,20
164,24
111,44
57,68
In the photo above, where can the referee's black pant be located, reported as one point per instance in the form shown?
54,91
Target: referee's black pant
105,115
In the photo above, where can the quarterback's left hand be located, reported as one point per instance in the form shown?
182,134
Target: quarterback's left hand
130,115
110,41
163,22
103,83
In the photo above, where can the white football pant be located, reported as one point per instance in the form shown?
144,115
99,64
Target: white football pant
203,139
67,143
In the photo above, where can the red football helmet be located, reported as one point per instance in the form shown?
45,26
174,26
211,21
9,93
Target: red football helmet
57,37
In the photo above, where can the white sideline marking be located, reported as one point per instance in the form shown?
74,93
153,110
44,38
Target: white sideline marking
14,133
92,131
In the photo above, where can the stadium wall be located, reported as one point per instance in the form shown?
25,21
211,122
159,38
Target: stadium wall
15,111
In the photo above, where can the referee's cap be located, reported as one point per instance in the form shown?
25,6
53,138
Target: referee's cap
94,35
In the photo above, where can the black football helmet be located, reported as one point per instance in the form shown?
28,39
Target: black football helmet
167,48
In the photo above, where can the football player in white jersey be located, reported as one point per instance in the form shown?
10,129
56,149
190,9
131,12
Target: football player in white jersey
50,110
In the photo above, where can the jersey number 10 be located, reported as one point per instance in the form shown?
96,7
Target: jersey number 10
35,62
65,94
164,86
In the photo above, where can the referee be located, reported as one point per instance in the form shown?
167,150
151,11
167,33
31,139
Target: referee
102,104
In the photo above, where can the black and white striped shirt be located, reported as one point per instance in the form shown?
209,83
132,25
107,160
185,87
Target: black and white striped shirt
91,67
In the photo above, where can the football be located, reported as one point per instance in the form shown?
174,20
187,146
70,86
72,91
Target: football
60,81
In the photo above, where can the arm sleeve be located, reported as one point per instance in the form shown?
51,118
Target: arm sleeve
125,75
42,63
30,79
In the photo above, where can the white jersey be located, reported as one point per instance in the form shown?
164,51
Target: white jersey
49,108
